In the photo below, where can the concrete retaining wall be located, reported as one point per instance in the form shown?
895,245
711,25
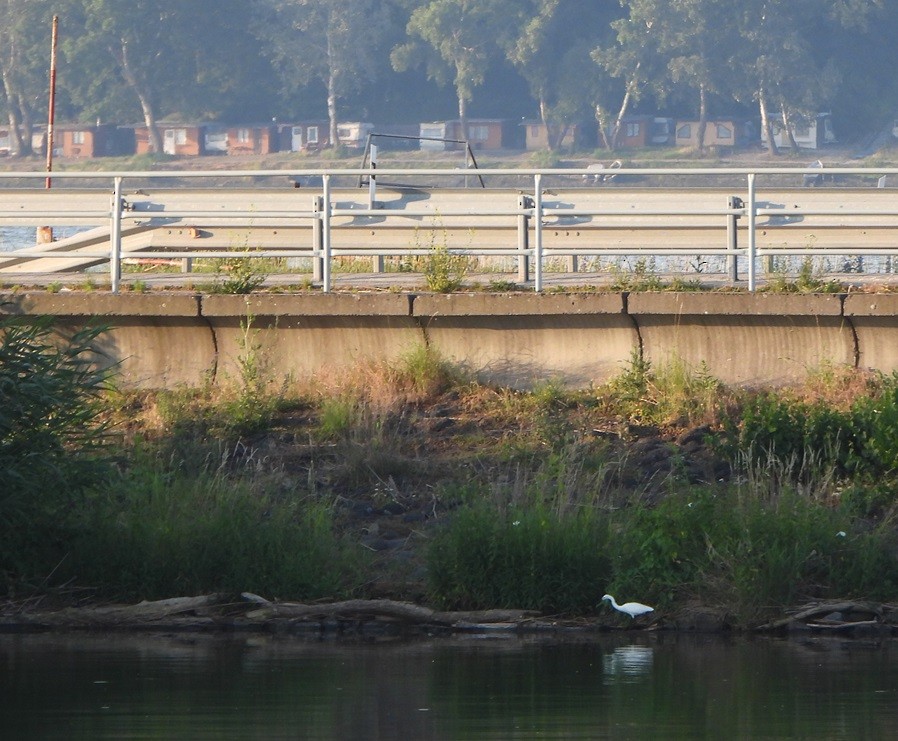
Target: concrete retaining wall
517,339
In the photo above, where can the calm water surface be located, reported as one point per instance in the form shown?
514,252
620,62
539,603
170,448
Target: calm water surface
620,686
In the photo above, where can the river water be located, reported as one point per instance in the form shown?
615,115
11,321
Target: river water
620,685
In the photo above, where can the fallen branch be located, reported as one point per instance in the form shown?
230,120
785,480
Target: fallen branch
361,609
816,612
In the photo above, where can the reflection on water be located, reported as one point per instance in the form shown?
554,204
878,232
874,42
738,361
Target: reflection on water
620,686
627,662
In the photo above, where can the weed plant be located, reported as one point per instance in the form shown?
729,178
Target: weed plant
240,274
672,394
444,270
808,280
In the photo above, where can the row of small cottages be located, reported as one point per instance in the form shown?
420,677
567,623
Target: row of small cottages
637,131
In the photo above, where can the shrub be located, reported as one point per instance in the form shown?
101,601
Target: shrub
52,444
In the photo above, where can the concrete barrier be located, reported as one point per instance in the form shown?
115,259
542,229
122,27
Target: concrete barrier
518,340
514,339
874,317
302,335
746,339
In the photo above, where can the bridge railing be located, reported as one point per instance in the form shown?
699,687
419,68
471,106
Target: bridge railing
533,217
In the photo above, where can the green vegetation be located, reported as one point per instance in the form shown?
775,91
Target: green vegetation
444,270
240,274
412,481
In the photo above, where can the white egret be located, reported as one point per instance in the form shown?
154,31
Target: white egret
630,608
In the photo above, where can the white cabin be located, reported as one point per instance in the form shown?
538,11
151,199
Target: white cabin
811,134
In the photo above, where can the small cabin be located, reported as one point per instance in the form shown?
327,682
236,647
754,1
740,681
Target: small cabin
85,141
187,140
242,140
809,134
536,135
354,134
719,132
303,136
638,131
481,133
38,140
395,136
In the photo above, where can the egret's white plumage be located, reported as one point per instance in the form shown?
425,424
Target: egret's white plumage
630,608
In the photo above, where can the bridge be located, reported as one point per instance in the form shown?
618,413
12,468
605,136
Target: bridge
537,223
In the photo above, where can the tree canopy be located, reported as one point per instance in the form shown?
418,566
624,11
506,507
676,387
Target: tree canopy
563,61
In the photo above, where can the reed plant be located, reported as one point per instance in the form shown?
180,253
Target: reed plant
523,557
163,530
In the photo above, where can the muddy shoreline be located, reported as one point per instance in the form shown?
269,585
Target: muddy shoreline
377,619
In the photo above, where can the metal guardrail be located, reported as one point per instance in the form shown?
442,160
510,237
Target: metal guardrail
556,213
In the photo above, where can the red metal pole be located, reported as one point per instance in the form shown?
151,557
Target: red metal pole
52,112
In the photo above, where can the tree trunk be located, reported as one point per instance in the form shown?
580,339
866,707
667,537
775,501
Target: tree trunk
702,116
27,126
463,115
787,127
149,114
602,121
543,116
19,147
332,110
624,106
766,124
331,92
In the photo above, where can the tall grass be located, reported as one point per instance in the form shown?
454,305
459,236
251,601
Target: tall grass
162,530
525,557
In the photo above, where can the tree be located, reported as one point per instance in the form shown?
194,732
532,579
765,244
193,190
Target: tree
552,50
779,48
633,59
457,38
695,37
25,31
329,41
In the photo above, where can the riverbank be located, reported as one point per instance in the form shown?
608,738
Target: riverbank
410,482
382,619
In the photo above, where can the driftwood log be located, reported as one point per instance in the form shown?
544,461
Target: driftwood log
836,616
249,610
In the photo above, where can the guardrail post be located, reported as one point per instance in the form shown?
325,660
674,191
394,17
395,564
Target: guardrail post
752,244
524,202
115,236
317,240
326,234
733,203
538,232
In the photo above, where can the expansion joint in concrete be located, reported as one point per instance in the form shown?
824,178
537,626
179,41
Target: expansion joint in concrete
640,350
213,371
420,321
856,343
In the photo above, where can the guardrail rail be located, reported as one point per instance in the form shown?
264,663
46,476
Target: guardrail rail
547,219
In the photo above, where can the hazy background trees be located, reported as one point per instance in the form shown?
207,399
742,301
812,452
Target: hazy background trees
403,61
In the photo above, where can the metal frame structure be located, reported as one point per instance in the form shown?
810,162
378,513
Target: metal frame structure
526,218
